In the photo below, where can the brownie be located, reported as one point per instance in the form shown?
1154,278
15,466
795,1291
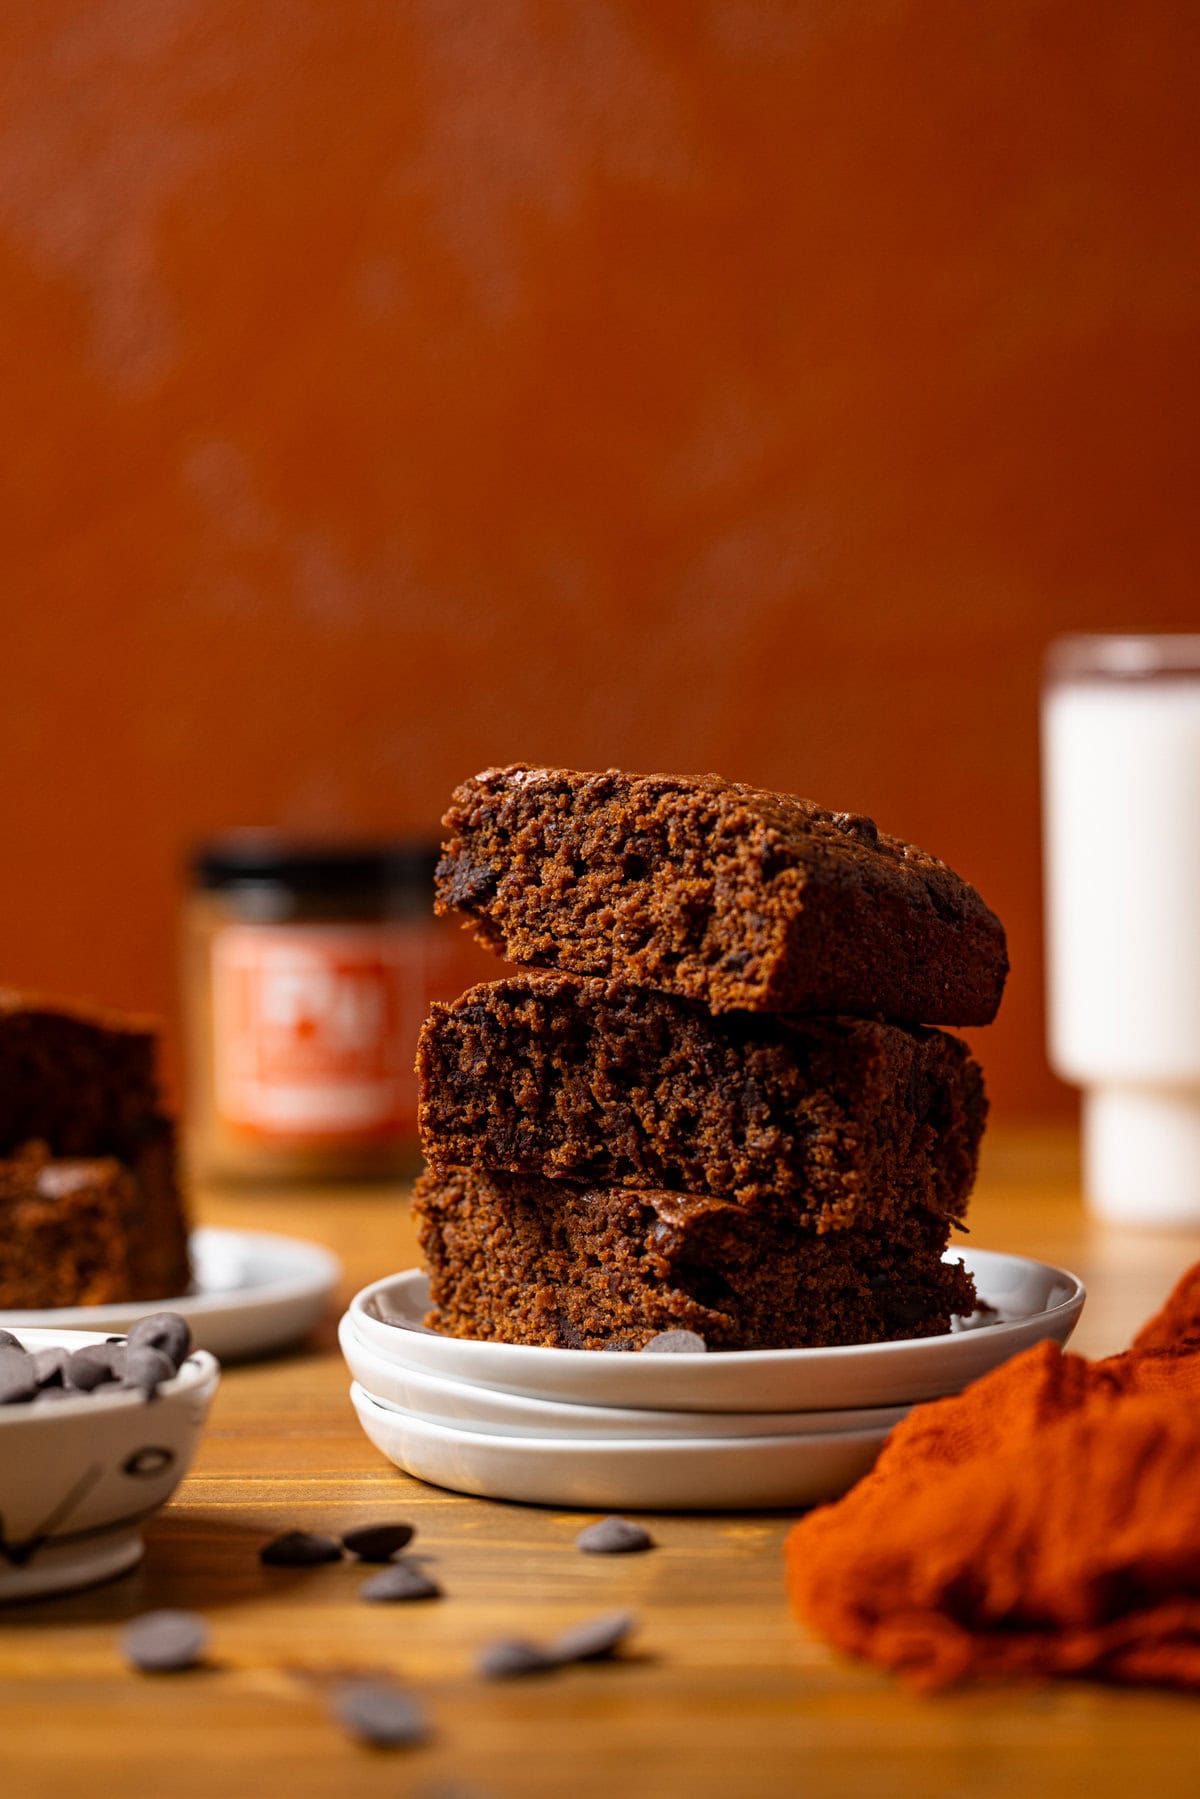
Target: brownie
79,1079
851,1121
520,1259
90,1207
77,1231
729,895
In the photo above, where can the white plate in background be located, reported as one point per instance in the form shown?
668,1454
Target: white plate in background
254,1292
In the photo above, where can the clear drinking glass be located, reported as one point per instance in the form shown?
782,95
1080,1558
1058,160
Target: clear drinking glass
1121,814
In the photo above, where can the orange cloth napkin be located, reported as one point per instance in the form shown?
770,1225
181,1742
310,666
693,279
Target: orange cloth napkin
1046,1521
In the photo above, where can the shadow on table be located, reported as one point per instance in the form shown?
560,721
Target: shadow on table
195,1560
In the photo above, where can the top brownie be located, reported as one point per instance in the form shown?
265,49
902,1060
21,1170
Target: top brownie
80,1081
741,899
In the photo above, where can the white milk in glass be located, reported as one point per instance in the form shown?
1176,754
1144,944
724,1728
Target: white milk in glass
1121,781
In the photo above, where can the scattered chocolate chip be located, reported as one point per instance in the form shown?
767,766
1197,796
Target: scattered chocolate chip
146,1369
380,1714
165,1642
299,1549
378,1542
49,1366
675,1343
8,1341
594,1639
614,1536
18,1378
95,1365
507,1658
401,1580
165,1331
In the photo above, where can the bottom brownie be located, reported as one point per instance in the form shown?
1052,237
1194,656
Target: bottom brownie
91,1231
519,1259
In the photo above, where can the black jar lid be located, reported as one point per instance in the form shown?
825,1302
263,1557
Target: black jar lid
309,866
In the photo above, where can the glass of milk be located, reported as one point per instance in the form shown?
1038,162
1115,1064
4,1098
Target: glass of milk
1121,786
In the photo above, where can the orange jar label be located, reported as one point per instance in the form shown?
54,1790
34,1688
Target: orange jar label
315,1028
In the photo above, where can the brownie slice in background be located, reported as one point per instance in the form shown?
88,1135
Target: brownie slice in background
848,1121
82,1081
80,1232
519,1259
740,899
90,1207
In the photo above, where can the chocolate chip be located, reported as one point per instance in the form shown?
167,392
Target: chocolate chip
380,1714
50,1365
594,1639
8,1341
463,882
616,1346
507,1658
854,824
18,1377
614,1536
146,1369
675,1343
400,1580
299,1549
95,1365
165,1331
165,1642
378,1542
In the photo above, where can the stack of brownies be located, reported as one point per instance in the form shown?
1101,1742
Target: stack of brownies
713,1104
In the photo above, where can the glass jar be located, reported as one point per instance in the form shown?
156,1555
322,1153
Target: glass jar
309,969
1121,784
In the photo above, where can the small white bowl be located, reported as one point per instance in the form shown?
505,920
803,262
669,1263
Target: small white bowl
79,1477
466,1407
1031,1301
679,1474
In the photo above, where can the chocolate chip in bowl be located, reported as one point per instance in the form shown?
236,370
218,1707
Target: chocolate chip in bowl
93,1439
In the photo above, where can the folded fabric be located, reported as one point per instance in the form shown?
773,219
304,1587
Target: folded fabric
1046,1521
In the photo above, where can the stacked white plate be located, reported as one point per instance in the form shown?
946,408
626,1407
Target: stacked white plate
692,1432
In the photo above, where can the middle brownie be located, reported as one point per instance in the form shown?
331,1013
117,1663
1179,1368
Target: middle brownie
850,1122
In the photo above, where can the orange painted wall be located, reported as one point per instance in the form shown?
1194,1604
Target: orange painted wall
393,389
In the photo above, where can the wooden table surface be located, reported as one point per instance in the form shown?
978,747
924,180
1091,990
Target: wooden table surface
723,1693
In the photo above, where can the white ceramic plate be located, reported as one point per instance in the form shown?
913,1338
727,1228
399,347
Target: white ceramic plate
682,1474
465,1407
79,1477
1032,1300
254,1292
